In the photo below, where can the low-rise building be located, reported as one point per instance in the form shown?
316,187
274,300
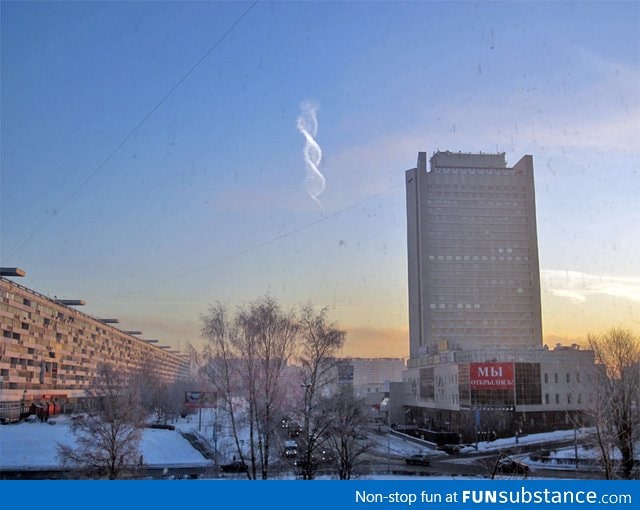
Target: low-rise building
370,375
500,392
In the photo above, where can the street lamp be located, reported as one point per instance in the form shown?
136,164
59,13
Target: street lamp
574,423
215,433
388,439
24,397
575,443
386,403
308,445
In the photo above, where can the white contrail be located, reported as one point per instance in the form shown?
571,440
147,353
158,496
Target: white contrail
307,123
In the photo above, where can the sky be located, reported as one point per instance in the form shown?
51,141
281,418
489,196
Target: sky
153,163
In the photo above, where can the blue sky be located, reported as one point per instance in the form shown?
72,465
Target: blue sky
205,201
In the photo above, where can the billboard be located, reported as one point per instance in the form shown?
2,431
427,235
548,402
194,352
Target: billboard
200,399
491,376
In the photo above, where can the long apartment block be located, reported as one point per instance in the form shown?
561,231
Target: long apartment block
50,349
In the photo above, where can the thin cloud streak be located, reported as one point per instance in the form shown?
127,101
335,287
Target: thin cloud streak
578,286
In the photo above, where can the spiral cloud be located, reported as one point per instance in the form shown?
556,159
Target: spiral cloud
307,124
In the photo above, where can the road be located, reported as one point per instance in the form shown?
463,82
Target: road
471,464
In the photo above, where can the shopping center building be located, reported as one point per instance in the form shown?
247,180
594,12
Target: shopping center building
477,363
500,392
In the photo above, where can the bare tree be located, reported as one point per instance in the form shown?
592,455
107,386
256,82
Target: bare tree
219,364
605,433
617,403
161,398
245,358
147,383
346,435
319,343
108,435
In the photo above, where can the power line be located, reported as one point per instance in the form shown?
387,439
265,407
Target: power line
259,245
134,130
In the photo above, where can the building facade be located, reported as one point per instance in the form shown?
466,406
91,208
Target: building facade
371,380
477,364
474,277
370,375
49,352
503,391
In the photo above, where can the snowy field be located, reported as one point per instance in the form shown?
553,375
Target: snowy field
30,445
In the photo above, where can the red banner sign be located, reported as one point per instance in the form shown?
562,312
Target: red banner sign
491,376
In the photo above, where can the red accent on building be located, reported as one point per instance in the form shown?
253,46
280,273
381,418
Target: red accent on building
491,376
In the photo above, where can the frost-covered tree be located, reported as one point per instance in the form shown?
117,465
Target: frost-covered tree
245,358
320,341
616,409
346,436
108,434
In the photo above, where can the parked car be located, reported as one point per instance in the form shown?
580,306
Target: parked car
540,455
290,449
294,429
512,466
290,453
234,467
327,457
303,463
451,449
419,459
161,426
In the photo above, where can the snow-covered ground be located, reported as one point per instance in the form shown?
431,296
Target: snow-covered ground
401,446
562,458
34,445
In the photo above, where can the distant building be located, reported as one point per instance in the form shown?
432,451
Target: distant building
371,375
49,352
363,372
371,380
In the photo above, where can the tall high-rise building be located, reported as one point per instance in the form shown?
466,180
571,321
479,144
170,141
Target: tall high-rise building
474,277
